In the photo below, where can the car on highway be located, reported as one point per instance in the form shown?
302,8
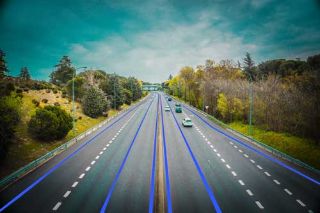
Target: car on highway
178,108
169,99
167,108
186,122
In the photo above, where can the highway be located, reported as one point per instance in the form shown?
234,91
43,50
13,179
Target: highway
205,169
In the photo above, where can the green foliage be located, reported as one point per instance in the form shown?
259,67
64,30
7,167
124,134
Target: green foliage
50,123
64,72
94,102
222,105
249,68
113,89
24,74
79,89
3,66
9,117
6,88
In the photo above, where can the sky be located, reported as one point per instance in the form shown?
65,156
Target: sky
152,39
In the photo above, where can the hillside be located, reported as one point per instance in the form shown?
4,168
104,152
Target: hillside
24,148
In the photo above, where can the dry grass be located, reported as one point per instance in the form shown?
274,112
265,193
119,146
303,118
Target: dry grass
26,149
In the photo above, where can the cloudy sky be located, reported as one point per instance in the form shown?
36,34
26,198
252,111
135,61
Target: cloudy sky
151,39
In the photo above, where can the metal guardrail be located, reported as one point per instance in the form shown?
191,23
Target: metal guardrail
256,142
41,160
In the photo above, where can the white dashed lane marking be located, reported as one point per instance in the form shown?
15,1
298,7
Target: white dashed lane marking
88,168
249,192
223,160
75,184
66,194
82,175
97,157
301,203
228,166
276,181
252,161
267,173
56,207
259,166
93,162
101,153
241,182
234,173
289,193
259,205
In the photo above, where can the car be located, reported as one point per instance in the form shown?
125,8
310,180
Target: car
178,109
167,108
178,104
186,122
169,99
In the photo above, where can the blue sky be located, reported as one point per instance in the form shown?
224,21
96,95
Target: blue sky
151,39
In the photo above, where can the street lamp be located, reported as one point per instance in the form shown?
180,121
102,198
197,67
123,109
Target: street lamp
73,104
251,104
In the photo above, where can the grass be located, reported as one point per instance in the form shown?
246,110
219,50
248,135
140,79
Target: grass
25,148
300,148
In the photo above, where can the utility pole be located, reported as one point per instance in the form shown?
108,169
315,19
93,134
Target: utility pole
73,104
251,105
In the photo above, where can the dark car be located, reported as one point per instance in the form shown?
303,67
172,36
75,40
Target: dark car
169,99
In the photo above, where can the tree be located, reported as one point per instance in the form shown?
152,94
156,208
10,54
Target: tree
10,107
249,67
114,90
24,74
64,72
94,102
79,89
50,123
187,75
3,66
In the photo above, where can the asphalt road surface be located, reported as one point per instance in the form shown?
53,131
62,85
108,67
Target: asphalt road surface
206,169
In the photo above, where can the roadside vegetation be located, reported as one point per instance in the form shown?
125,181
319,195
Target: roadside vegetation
36,116
285,100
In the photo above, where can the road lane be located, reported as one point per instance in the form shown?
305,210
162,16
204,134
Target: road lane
266,179
132,190
188,192
52,187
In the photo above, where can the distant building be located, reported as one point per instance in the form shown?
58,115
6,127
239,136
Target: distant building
151,87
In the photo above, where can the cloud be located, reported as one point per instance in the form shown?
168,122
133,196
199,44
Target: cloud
154,54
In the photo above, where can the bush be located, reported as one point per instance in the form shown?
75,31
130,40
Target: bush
45,100
94,102
35,102
56,104
80,117
63,96
55,91
18,91
50,123
26,89
9,118
48,91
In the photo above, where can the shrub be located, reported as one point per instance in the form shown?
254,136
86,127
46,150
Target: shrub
80,117
45,100
94,102
63,96
26,89
48,91
50,123
18,90
55,91
35,102
56,104
9,118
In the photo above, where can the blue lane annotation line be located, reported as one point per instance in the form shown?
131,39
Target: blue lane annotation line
152,181
62,162
168,190
203,178
106,202
253,149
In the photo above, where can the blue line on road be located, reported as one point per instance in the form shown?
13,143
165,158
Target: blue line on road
60,163
106,202
168,190
255,150
152,181
203,178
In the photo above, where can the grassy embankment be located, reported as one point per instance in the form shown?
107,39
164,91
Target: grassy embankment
300,148
26,149
297,147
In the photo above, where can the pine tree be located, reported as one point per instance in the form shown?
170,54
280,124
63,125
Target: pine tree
249,68
24,74
64,72
3,67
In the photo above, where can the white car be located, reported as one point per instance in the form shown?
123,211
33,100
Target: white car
167,108
186,122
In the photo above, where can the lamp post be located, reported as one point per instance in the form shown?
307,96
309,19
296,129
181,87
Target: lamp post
251,105
73,104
